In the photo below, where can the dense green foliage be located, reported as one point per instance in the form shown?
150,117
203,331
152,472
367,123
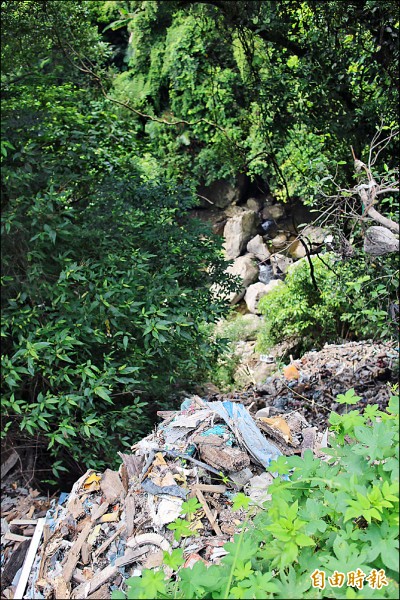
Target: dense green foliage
278,89
339,515
106,281
343,305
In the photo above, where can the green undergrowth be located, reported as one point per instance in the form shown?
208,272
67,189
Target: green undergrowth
227,333
351,299
330,529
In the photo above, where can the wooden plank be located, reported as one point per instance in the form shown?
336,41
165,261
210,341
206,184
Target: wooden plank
14,563
8,464
204,487
85,553
46,538
15,537
208,512
73,554
99,511
83,590
100,578
24,522
130,515
103,593
30,557
111,486
62,589
105,545
130,556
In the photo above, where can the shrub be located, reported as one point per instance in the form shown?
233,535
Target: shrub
227,332
238,327
355,299
298,310
106,281
337,517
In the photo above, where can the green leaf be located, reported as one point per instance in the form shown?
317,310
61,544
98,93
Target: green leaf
241,501
103,393
152,584
349,397
175,559
304,540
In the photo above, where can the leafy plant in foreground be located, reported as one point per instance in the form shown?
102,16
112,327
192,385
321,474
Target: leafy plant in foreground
338,516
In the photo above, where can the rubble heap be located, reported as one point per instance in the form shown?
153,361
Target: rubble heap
366,366
115,524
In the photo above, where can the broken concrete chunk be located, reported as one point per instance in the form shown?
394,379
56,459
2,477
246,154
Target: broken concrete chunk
226,459
134,464
309,436
240,478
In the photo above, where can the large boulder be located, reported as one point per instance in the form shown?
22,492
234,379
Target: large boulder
238,231
379,241
258,247
314,236
255,204
256,291
274,212
297,250
222,192
245,268
279,241
252,296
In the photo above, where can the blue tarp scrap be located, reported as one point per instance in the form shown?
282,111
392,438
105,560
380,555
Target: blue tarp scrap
246,431
220,430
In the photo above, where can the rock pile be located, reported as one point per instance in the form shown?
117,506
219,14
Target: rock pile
261,236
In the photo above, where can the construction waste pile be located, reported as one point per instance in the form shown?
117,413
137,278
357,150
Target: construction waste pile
115,524
112,525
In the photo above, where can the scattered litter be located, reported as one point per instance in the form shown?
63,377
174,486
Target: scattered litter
291,372
112,525
258,488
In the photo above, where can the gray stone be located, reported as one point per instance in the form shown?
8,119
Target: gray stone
261,371
279,241
245,268
274,212
252,296
297,250
238,231
233,210
379,241
256,291
280,263
255,204
313,235
258,247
